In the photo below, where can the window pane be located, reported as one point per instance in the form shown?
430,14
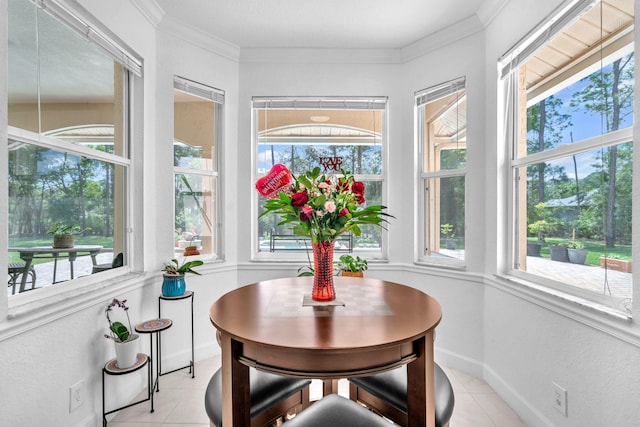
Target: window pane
48,187
79,84
299,139
446,223
575,112
369,240
194,131
445,132
580,202
23,66
195,196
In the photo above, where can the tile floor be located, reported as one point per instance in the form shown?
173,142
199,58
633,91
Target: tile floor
180,402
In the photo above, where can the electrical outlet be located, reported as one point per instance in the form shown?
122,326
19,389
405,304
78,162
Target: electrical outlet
76,395
559,399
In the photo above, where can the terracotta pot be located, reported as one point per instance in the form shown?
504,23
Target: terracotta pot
353,273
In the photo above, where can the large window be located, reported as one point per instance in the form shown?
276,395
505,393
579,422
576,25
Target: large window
196,147
303,133
569,121
68,148
441,129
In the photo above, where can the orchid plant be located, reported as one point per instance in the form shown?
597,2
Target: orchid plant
117,330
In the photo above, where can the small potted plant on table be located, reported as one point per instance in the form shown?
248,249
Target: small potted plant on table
63,234
126,343
352,266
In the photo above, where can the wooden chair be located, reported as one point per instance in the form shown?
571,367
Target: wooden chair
386,394
274,398
15,271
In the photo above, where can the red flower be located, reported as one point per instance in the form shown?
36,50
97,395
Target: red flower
299,199
344,212
306,213
360,198
357,188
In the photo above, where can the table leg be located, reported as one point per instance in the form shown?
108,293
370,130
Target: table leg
236,404
329,387
72,257
28,259
420,384
55,267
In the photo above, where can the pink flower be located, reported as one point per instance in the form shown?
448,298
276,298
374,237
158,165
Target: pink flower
323,185
344,212
330,206
306,213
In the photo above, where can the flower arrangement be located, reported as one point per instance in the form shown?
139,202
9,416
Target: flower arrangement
321,207
117,330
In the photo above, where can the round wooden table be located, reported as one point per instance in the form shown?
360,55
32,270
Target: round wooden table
372,326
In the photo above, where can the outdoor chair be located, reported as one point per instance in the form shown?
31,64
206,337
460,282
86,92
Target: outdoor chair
15,271
386,394
118,261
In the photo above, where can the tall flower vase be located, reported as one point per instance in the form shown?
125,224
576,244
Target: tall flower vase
323,289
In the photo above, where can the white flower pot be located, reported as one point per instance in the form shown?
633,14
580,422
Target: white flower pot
127,352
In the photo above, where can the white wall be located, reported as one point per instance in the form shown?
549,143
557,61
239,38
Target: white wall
530,340
518,342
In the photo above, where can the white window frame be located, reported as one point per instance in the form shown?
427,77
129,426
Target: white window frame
508,89
217,96
325,102
82,22
423,97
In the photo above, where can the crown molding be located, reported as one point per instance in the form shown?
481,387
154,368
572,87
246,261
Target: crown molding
451,34
320,55
150,10
182,30
490,9
437,40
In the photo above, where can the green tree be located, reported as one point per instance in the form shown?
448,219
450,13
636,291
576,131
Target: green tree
609,95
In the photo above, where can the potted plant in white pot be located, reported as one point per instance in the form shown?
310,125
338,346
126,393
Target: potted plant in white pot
173,284
126,343
352,266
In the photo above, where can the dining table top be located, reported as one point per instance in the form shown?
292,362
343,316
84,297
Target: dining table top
368,314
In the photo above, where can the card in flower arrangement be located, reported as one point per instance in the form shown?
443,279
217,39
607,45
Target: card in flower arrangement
278,178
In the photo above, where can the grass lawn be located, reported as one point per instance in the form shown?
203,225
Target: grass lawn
106,242
596,249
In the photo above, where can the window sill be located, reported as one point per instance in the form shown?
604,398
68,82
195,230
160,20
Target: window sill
31,309
596,315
